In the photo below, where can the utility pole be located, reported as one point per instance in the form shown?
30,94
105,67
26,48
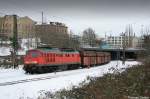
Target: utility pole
42,17
1,30
36,40
124,46
28,37
14,42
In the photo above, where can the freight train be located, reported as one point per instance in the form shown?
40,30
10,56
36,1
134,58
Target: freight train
43,60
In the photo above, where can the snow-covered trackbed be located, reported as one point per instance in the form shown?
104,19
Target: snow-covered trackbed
38,78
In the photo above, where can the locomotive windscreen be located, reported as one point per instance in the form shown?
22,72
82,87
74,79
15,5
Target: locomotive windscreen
34,54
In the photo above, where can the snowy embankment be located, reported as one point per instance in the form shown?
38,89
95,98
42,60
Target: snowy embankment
65,79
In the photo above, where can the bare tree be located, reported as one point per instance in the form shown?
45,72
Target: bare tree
89,37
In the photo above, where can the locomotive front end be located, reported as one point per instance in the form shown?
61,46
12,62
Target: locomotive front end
31,60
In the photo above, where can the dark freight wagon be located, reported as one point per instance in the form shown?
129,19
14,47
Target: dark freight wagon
93,58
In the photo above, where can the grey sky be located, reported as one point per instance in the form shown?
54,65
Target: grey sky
101,15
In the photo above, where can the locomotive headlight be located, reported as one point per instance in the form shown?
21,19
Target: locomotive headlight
35,62
31,62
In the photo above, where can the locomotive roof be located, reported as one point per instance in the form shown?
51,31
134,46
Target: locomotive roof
57,50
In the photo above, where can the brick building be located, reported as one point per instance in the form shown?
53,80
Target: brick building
26,26
54,34
6,29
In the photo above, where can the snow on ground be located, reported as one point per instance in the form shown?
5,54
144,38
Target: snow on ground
25,45
4,51
65,79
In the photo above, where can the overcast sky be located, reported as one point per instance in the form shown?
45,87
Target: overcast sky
104,16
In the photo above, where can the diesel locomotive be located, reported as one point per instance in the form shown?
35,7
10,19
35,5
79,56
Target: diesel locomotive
42,60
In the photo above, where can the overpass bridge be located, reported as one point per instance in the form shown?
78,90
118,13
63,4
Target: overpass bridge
130,53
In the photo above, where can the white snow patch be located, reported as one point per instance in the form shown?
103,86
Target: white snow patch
4,51
65,79
25,44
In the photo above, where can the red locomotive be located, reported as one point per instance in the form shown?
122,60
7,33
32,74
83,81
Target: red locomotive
52,59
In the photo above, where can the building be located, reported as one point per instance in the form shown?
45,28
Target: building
120,41
115,41
54,34
6,26
138,42
75,41
26,27
1,21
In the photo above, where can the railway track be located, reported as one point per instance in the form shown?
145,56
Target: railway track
40,78
25,80
36,79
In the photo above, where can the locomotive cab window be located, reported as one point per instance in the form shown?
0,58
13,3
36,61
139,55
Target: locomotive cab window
35,54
